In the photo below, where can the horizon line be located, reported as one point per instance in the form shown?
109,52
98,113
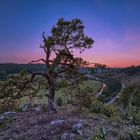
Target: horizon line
89,66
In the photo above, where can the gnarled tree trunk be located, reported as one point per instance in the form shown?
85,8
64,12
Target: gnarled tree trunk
51,96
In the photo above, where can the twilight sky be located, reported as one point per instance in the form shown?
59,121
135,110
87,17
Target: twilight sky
113,24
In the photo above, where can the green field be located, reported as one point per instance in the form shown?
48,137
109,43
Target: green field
94,85
61,93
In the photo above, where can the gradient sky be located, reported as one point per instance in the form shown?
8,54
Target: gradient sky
113,24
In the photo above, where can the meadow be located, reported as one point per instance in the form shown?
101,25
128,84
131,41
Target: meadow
60,93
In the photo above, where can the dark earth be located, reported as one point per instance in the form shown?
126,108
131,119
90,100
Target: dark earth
67,124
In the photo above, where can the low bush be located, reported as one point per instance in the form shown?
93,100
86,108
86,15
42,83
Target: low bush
96,106
59,101
135,135
83,97
111,111
136,118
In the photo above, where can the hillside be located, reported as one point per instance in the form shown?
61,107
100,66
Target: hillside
80,113
68,124
9,68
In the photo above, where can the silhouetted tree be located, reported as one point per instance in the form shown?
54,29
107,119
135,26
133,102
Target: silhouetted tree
59,58
102,66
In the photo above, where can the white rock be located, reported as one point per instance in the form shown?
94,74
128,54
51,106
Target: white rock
64,136
57,122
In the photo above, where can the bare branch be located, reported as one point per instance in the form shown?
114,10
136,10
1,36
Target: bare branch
55,51
43,35
43,48
33,76
38,73
37,61
25,83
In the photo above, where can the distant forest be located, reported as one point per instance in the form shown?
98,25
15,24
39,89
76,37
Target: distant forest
9,68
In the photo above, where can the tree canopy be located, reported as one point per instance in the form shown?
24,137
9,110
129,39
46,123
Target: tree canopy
59,46
65,37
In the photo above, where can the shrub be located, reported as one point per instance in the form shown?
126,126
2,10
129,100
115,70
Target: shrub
124,137
100,134
136,118
13,90
111,111
135,135
44,107
83,97
59,101
96,106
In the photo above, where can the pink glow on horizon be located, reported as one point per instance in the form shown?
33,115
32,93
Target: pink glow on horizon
107,50
97,55
108,59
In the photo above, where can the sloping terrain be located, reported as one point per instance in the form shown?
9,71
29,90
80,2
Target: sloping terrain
68,124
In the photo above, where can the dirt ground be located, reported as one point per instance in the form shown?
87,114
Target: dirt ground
67,124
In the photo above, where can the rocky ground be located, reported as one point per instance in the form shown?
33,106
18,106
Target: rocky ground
68,124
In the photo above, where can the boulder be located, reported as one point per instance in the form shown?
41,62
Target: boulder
77,128
27,107
6,115
65,136
38,108
57,122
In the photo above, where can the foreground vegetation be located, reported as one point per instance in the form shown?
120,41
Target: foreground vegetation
13,95
73,105
69,123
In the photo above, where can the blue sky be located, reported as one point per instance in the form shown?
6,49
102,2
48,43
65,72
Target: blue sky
113,24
